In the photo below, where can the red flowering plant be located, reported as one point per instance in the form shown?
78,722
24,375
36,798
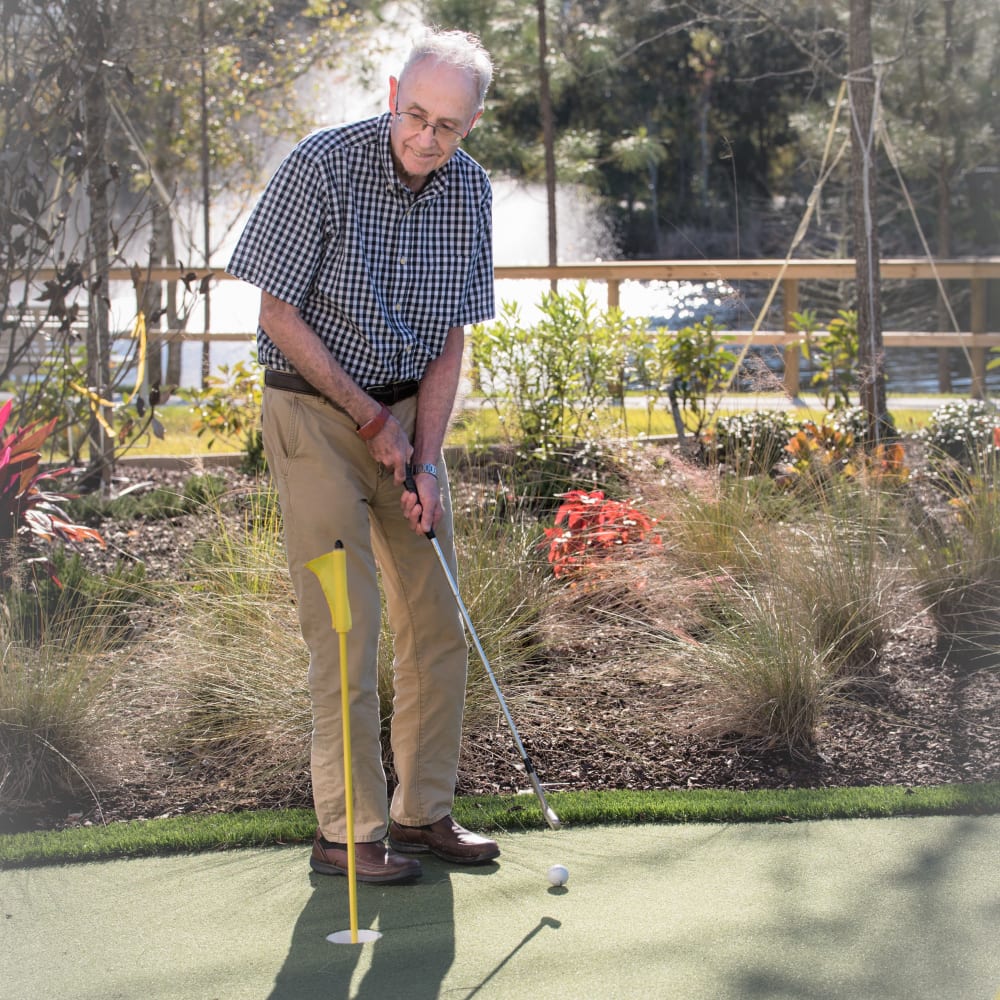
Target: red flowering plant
25,508
590,527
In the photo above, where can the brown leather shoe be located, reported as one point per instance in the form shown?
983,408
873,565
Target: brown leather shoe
446,839
372,862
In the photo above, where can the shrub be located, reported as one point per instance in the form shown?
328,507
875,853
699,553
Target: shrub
26,510
965,431
547,380
849,420
702,366
821,454
228,407
834,355
595,528
751,443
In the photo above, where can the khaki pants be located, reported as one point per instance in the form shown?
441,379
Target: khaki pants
331,490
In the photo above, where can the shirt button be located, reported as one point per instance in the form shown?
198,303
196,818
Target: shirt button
402,260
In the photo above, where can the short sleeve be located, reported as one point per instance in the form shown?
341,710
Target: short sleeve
281,247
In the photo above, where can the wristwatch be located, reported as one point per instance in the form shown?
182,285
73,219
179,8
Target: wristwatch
431,470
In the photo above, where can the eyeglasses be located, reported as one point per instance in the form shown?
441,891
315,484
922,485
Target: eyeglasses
417,123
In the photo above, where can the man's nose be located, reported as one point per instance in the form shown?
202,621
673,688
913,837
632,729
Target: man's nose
427,136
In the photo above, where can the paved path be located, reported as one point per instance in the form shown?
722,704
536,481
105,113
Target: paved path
901,909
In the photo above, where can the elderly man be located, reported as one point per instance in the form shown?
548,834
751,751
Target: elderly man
372,249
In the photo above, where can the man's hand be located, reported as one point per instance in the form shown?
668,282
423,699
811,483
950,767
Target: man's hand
423,509
392,449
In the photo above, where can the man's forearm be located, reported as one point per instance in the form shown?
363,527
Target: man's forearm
298,342
436,399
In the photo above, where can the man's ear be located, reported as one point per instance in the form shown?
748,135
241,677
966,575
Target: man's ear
475,118
393,91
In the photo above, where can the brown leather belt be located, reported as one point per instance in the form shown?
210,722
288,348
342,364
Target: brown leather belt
388,394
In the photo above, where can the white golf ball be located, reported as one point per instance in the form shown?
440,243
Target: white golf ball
558,874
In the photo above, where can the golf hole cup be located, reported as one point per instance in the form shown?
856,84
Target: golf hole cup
558,875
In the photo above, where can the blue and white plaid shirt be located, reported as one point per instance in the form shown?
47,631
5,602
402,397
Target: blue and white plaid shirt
380,273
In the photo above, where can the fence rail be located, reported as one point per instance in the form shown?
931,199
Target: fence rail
791,274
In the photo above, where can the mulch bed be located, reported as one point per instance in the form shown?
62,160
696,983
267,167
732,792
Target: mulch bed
601,716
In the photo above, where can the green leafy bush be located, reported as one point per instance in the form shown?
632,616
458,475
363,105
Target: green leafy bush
548,380
228,407
834,354
966,430
751,443
702,366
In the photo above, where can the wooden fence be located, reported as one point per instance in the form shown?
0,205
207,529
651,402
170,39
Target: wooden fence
790,274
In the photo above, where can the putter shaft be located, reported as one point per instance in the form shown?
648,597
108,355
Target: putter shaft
547,811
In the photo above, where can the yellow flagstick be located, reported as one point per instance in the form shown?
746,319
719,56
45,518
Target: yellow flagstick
331,569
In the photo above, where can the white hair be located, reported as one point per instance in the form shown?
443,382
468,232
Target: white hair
455,48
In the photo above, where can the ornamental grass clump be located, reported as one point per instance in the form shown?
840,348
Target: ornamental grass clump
52,718
504,585
955,555
232,648
721,527
800,593
232,644
844,572
762,679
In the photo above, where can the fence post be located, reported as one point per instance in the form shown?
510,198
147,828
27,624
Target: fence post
977,321
791,353
614,289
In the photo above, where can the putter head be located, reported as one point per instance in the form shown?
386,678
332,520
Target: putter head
547,811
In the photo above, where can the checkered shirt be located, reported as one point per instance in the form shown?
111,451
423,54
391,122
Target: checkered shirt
379,272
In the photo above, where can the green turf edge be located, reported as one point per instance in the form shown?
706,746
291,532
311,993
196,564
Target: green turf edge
499,814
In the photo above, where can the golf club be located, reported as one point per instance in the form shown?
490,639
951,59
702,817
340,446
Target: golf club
547,811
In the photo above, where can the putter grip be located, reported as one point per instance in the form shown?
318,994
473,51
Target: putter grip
411,485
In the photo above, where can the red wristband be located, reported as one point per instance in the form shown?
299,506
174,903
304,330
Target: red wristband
367,431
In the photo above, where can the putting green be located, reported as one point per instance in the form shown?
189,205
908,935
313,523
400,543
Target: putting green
901,908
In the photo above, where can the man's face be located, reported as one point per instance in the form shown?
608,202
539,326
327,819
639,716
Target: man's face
440,94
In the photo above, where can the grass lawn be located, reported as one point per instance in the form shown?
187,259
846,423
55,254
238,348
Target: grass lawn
474,426
505,813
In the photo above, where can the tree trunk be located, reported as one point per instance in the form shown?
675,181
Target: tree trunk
871,353
93,35
206,193
548,133
944,200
